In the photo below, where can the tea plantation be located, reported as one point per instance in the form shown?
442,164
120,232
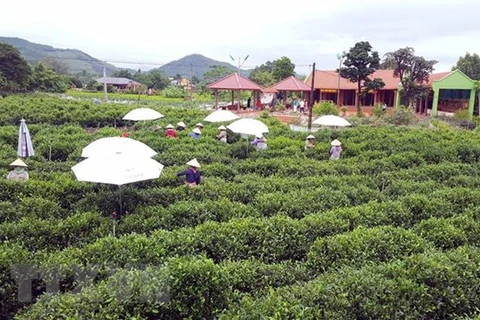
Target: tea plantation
390,231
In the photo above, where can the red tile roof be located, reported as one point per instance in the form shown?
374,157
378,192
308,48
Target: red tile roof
234,81
290,84
328,79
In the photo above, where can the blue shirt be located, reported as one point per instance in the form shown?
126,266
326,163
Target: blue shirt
194,135
191,176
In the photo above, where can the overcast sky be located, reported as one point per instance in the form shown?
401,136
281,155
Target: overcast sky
156,32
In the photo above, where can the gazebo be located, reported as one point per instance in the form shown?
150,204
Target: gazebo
291,84
234,82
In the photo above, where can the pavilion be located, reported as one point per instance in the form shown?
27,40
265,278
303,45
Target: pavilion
234,82
291,84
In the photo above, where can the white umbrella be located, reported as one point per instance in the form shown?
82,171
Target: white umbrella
221,116
142,114
248,126
118,145
332,121
117,169
25,148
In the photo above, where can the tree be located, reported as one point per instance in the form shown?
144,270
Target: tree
216,73
47,80
413,72
470,65
55,64
14,70
153,79
282,68
122,73
360,62
195,80
263,74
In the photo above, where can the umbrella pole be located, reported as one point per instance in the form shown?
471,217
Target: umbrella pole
121,207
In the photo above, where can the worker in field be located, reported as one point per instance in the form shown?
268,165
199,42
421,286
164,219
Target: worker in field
19,171
222,136
170,132
336,150
309,142
181,126
199,126
192,175
196,133
260,142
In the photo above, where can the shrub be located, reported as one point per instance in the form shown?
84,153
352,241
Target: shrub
325,108
401,116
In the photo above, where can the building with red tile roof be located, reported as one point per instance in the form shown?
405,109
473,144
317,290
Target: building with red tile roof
328,83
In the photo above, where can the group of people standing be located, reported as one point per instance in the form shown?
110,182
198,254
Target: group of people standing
335,150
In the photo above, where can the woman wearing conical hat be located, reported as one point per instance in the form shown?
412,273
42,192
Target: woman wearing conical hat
335,150
309,142
181,126
192,175
19,172
170,132
222,136
196,133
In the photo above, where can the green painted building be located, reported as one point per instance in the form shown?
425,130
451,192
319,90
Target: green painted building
452,92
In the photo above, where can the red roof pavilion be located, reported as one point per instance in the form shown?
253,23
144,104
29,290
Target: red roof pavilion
290,84
234,82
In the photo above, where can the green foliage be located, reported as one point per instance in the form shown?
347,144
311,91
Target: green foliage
14,70
173,92
470,65
413,72
377,110
325,108
401,116
280,233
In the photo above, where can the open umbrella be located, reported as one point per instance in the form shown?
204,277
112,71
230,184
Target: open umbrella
221,116
332,121
25,148
117,145
117,169
142,114
248,126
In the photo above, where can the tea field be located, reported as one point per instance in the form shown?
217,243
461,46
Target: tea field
390,231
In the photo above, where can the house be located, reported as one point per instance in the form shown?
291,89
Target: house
120,83
450,91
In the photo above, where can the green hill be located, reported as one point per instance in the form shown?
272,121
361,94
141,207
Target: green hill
75,60
195,65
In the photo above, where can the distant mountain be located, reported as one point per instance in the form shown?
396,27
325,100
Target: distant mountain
75,60
195,65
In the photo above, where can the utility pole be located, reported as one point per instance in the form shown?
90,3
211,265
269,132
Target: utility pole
105,80
191,81
311,100
340,58
238,71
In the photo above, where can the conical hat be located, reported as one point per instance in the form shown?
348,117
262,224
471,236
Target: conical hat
194,163
222,128
181,124
169,126
197,131
310,137
199,125
18,163
336,143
